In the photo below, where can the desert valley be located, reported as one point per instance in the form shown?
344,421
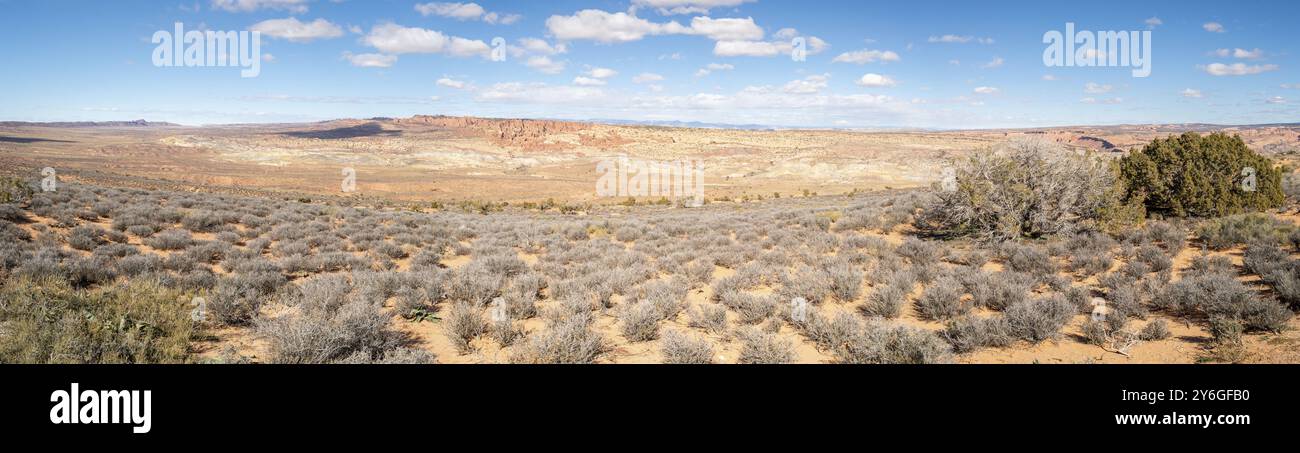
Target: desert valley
471,240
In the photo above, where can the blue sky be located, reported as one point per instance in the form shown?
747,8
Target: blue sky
927,64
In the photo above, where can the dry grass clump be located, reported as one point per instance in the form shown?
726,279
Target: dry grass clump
683,349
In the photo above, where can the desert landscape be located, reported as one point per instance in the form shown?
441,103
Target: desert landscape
474,241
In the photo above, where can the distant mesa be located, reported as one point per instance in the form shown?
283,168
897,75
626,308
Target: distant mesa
136,123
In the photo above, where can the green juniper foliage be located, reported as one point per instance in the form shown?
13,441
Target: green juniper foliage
1201,176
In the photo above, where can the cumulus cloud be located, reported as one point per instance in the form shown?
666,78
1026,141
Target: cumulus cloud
647,77
671,7
876,80
812,84
545,64
958,39
1275,100
867,56
588,81
370,60
601,73
243,6
465,11
536,46
987,90
995,63
1096,88
1153,22
395,39
713,67
1237,69
1214,27
294,30
784,44
606,27
454,84
1191,93
601,26
1239,53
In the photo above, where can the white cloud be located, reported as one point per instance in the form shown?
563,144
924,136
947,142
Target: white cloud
458,11
671,7
1237,69
952,39
1110,101
1153,22
647,77
601,73
268,58
987,90
606,27
602,26
294,30
1275,100
452,83
1049,77
876,80
1248,54
395,39
812,84
545,65
731,29
243,6
538,47
1214,27
783,45
995,63
1095,88
1191,93
713,67
465,11
588,82
865,56
745,49
370,60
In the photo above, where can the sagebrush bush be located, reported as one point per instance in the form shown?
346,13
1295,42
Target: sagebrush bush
1028,188
878,342
680,348
48,321
942,300
320,334
969,333
170,240
710,317
886,302
758,347
1230,231
812,284
1155,331
1001,290
462,324
640,322
846,280
1201,176
1028,260
567,341
1039,319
